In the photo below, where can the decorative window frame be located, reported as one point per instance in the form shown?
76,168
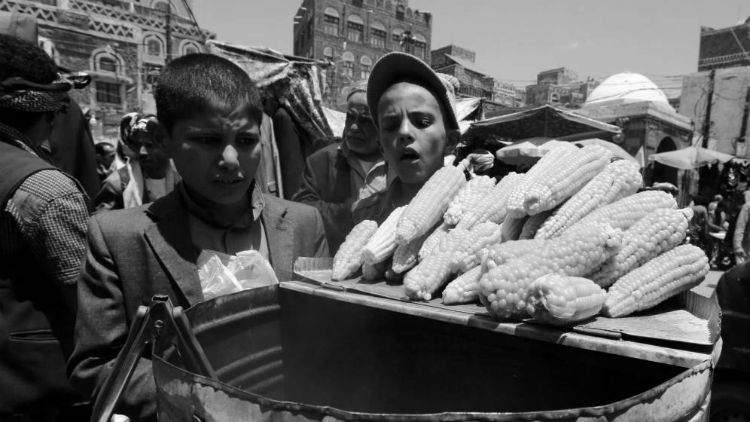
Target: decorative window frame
150,58
186,44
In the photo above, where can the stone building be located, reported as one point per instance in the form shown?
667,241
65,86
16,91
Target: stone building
354,34
560,87
475,82
724,47
122,44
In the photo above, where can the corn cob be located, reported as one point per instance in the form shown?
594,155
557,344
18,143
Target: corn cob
551,189
430,203
565,300
511,229
468,244
657,232
382,244
464,289
493,208
405,256
372,271
533,223
667,275
627,211
433,240
433,272
474,192
503,252
348,259
505,286
549,163
619,179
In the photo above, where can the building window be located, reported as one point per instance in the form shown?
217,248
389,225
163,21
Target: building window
108,92
377,39
161,5
189,47
354,28
153,47
151,73
400,12
331,21
420,46
107,64
347,67
365,64
357,3
328,53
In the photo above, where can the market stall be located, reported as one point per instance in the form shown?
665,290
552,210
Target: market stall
479,301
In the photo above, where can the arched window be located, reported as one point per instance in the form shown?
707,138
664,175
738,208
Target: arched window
328,53
379,34
355,27
189,47
331,21
107,64
365,64
347,67
400,9
161,5
420,46
153,47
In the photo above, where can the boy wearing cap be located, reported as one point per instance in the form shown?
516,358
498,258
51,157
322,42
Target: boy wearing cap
412,107
338,174
43,215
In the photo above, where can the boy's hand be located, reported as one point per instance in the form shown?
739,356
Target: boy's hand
740,255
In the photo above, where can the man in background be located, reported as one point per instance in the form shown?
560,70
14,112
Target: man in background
339,174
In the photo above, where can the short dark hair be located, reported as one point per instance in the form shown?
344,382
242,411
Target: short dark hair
23,59
198,83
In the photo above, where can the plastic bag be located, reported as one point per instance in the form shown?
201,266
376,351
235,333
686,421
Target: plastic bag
222,274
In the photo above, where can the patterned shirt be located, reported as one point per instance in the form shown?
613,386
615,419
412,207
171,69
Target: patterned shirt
48,213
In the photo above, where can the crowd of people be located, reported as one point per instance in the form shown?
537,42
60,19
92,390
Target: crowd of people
77,258
89,232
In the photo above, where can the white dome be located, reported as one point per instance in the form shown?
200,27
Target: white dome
627,86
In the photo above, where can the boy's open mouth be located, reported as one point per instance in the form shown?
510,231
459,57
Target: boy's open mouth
228,180
409,154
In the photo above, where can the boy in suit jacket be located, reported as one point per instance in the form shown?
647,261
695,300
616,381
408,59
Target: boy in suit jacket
211,112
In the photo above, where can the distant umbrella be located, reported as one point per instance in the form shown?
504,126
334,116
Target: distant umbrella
690,157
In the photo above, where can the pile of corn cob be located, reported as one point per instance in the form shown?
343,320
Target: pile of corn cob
569,239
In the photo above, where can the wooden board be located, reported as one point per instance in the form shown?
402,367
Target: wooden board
688,321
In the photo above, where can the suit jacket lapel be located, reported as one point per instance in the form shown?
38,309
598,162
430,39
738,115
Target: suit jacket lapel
169,238
280,238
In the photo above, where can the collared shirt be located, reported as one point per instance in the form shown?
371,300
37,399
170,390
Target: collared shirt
228,237
47,212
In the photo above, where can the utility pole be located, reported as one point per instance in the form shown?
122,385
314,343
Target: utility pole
707,120
168,56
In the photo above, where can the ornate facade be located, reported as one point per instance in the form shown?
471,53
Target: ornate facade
122,44
354,34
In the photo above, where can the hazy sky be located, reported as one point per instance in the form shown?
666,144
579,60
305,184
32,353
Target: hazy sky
515,39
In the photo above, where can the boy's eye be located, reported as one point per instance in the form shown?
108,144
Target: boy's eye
247,140
423,120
